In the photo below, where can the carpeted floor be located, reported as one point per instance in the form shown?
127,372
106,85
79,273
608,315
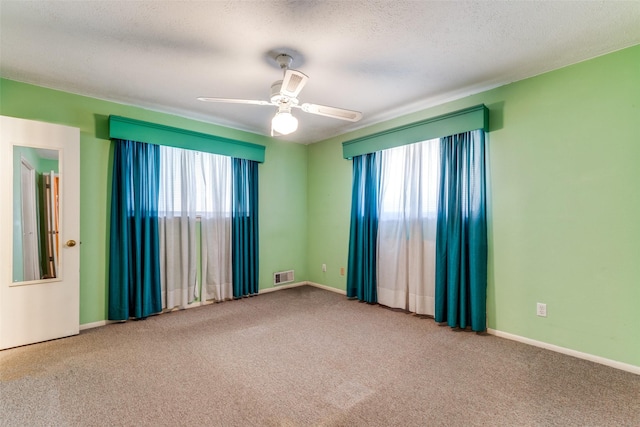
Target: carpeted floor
304,357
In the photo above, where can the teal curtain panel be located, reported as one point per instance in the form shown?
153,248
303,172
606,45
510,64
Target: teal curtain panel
134,262
461,237
363,235
244,227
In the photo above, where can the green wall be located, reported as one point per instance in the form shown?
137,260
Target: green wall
564,207
283,178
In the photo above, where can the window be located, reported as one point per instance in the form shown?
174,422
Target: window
410,176
194,183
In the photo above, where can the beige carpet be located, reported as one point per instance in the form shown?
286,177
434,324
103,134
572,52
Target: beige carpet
304,357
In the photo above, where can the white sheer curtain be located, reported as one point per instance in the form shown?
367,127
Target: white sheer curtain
216,228
193,185
177,227
407,227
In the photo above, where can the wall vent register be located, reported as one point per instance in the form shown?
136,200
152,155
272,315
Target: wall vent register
283,277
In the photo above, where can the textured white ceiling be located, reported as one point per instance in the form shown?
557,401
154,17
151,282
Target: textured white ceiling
384,58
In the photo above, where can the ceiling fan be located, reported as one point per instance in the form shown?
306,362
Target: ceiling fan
284,95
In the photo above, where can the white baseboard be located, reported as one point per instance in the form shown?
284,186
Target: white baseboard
281,287
93,324
580,355
295,285
327,288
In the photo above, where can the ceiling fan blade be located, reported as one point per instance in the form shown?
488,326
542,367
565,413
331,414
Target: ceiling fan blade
292,83
234,101
336,113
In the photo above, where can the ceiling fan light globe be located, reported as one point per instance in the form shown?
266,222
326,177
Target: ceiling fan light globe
284,123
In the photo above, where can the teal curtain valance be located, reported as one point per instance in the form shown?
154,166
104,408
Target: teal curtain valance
460,121
137,130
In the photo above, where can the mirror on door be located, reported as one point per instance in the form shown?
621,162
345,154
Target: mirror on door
36,222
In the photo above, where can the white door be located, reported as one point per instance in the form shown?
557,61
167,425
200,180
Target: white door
47,307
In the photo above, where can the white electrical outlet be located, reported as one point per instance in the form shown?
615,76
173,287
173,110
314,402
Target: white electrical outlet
541,309
324,268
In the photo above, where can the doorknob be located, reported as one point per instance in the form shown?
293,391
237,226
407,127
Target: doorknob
71,243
